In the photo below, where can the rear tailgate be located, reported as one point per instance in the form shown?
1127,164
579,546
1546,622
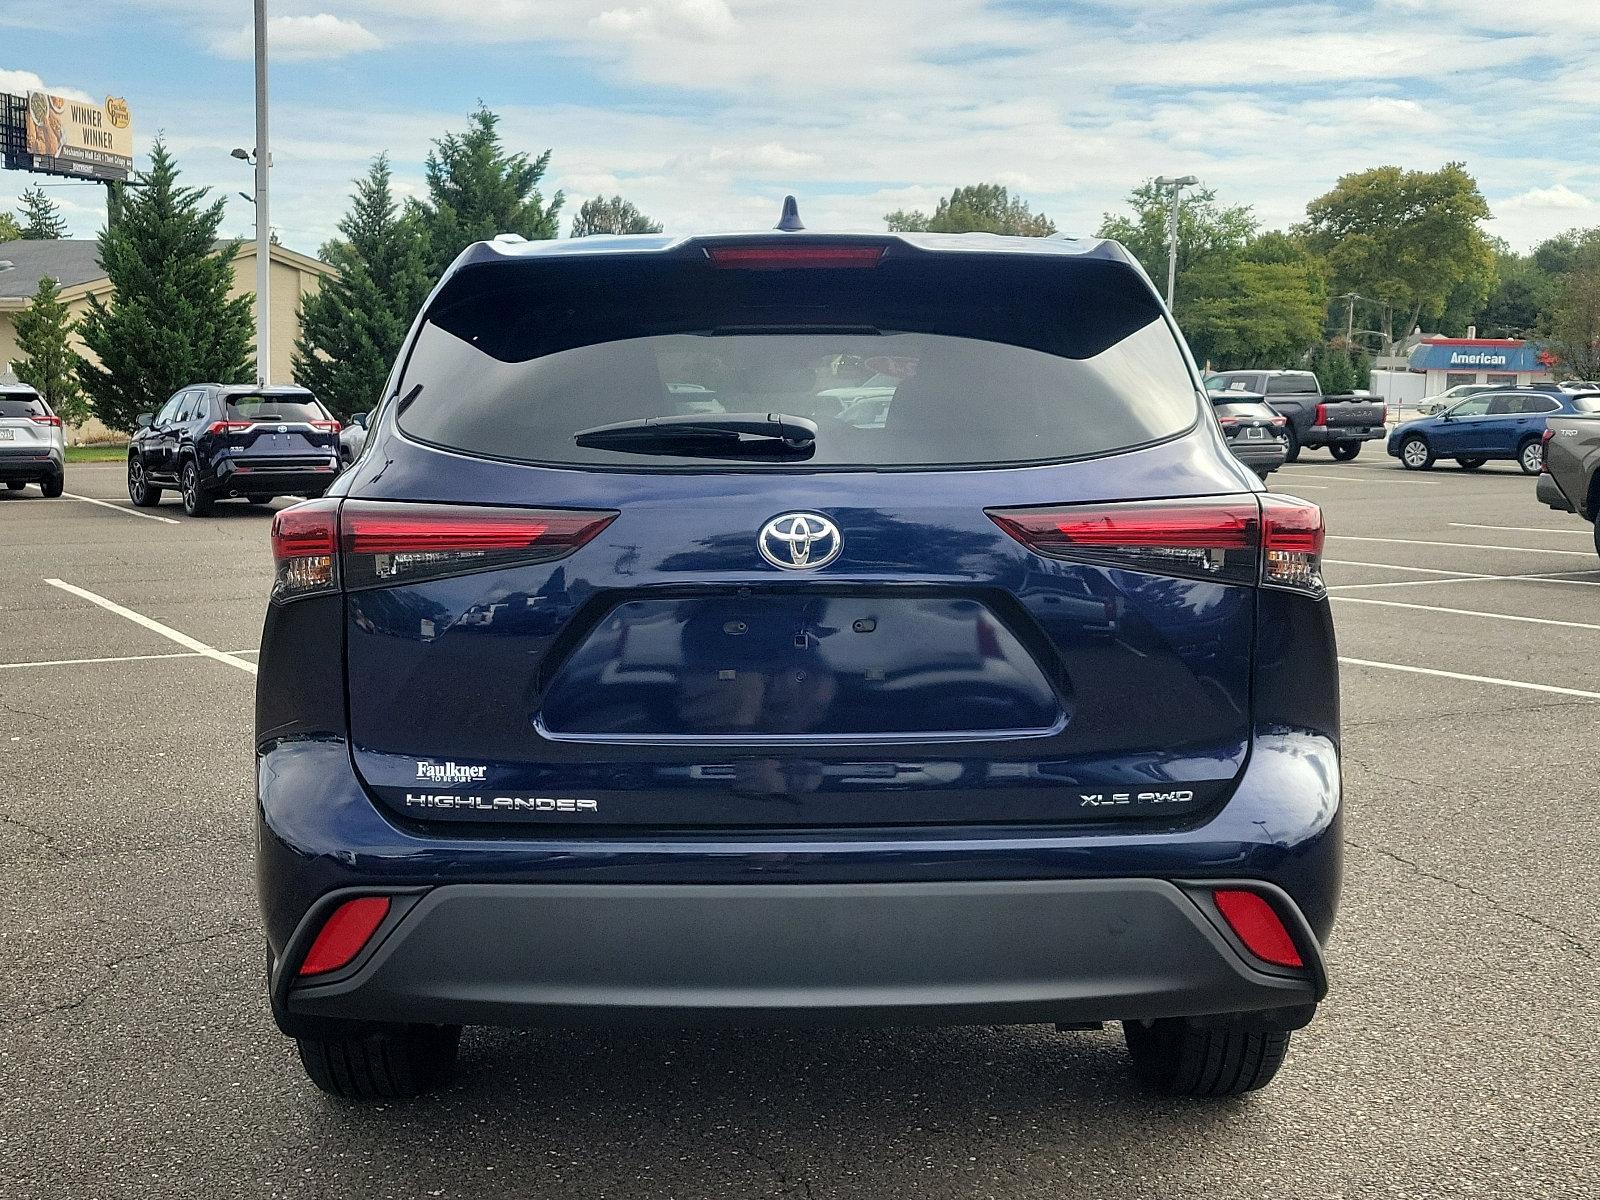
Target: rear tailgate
1351,414
629,639
279,431
27,430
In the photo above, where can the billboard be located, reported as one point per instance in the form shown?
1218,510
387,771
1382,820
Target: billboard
77,137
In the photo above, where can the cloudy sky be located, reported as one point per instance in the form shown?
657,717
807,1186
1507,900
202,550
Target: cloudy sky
705,112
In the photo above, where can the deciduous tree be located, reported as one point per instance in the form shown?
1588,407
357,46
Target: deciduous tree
1575,324
10,231
1413,239
1206,229
615,215
979,208
170,321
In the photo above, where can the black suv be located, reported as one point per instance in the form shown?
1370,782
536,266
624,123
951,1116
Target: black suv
216,440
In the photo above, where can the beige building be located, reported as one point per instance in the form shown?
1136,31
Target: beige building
74,265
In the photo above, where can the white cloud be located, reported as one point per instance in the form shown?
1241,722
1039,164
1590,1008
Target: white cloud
299,38
685,18
1560,197
19,83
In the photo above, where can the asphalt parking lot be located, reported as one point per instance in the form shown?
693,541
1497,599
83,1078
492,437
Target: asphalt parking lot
1454,1056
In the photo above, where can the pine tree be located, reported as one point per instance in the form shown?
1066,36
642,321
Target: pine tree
49,365
170,322
352,328
41,219
476,190
615,215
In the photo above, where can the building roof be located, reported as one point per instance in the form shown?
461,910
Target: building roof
69,261
1509,355
75,263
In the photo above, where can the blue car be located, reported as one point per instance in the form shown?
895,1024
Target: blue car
580,703
1505,425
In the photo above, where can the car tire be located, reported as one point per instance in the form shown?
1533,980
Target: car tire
54,486
15,485
1416,454
1176,1058
387,1063
1470,464
140,490
1530,456
1291,451
1345,451
195,501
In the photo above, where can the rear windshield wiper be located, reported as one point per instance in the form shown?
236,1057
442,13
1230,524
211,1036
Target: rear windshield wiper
707,435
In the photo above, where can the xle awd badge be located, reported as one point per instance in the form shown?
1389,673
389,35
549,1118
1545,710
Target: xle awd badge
800,541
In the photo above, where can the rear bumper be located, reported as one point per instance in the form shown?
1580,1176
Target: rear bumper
1008,951
1261,456
263,479
30,468
1333,435
1550,493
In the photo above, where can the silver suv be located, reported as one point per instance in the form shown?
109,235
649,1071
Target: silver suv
33,445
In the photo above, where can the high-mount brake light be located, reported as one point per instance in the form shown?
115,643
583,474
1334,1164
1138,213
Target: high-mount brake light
1258,926
229,426
305,549
780,257
387,543
53,422
1275,541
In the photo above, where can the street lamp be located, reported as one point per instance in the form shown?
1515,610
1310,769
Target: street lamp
263,164
1177,185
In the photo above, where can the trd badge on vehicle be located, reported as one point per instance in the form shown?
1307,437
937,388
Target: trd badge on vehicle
800,541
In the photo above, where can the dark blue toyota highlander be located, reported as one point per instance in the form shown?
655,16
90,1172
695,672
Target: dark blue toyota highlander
632,675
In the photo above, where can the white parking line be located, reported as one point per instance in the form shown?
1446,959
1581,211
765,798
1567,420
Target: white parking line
1510,683
1583,533
119,658
1348,562
1547,577
1466,612
166,631
127,512
1350,537
1343,479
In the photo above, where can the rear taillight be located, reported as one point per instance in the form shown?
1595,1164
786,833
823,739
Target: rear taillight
777,258
1322,415
1279,422
328,426
305,549
53,422
229,426
1291,545
1275,541
1544,450
1227,420
385,543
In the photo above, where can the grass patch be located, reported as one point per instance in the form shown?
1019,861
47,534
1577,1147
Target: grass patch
91,454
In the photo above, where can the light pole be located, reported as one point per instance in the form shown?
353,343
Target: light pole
1177,185
263,209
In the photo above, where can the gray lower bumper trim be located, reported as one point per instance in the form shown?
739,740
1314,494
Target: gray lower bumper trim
1064,950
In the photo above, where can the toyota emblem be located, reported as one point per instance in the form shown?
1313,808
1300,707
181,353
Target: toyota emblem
800,541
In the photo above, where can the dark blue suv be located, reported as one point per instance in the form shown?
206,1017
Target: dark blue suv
630,675
214,441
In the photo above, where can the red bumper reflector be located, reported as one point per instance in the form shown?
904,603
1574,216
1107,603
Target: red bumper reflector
1258,927
344,934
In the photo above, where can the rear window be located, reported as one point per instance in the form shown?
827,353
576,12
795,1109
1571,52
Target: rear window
1291,385
914,362
1586,404
22,406
274,408
1249,408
